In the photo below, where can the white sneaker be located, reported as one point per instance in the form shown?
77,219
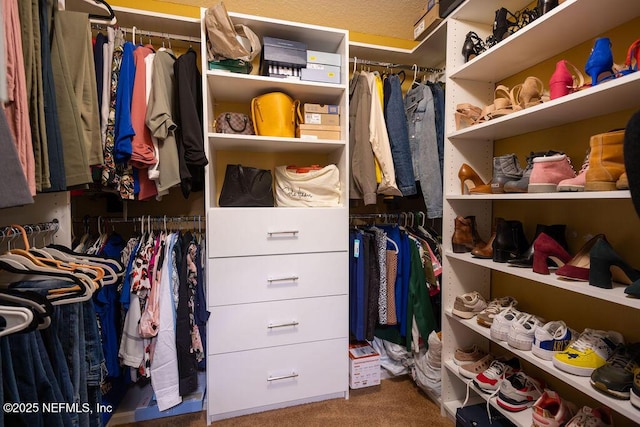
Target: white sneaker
489,380
495,307
519,392
551,338
550,410
502,323
522,332
468,305
588,353
598,417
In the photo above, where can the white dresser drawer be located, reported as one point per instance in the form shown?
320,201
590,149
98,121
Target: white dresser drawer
276,277
269,324
271,231
249,379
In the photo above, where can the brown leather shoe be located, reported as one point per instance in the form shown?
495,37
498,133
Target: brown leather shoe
465,236
485,251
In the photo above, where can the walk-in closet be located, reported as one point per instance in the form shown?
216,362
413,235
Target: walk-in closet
319,213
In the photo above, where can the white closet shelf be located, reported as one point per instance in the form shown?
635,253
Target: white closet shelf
582,384
522,418
557,31
241,88
562,195
230,142
615,295
430,52
608,97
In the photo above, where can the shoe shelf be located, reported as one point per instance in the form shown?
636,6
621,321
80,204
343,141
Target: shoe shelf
615,295
608,97
255,143
562,195
582,384
521,418
241,88
555,32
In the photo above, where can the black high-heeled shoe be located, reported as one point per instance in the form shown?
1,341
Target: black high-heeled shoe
503,26
606,266
473,46
545,6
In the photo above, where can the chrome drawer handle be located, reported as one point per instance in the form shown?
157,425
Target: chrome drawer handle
274,233
284,279
283,325
283,377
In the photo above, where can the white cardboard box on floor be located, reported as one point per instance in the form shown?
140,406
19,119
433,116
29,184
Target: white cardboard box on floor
364,366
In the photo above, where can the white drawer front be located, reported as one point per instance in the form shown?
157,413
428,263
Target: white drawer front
248,379
276,277
268,324
271,231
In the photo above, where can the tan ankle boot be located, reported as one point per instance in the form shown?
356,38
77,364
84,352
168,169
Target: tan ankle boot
465,235
606,161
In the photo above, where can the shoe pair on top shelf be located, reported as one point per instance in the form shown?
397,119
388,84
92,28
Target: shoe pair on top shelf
505,23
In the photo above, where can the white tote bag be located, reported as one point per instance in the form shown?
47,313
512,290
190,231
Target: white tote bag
297,187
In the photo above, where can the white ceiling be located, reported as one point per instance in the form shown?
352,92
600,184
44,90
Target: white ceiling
379,17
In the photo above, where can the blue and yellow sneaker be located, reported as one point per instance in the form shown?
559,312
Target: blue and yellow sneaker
588,353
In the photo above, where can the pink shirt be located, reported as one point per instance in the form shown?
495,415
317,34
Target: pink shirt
17,107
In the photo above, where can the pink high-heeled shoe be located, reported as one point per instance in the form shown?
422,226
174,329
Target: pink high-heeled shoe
565,79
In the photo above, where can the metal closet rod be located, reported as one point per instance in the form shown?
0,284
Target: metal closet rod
41,227
394,65
136,219
142,33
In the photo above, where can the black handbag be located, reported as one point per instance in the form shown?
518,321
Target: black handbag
246,187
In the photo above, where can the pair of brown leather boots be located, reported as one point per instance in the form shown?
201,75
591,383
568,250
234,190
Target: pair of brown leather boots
507,243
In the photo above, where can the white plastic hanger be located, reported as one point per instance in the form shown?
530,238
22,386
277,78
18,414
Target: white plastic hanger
15,319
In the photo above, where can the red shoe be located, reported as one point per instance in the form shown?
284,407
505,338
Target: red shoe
578,267
546,247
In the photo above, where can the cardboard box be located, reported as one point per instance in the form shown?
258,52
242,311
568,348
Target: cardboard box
427,23
321,108
364,366
322,119
321,73
318,131
316,57
283,53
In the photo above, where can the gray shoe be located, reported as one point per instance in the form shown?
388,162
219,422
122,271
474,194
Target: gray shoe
505,168
521,185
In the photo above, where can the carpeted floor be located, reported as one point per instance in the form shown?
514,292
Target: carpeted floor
395,402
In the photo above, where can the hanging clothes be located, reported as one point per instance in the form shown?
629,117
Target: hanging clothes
124,132
420,114
76,95
31,48
189,121
143,154
110,178
362,180
3,61
16,109
396,122
159,119
14,190
57,177
379,140
403,257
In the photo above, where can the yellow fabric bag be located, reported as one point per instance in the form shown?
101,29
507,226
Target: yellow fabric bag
274,114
